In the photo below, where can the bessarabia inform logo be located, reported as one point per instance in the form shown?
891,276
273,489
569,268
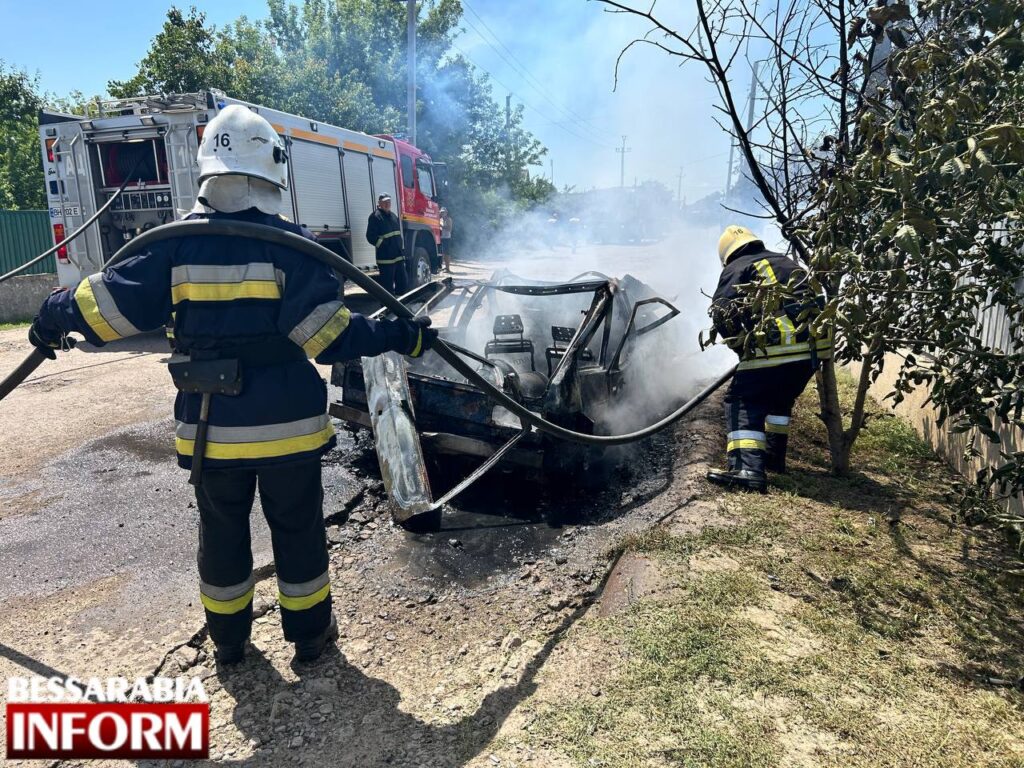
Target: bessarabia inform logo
57,718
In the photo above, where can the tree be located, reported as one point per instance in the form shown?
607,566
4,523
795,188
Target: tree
343,62
888,152
183,58
21,174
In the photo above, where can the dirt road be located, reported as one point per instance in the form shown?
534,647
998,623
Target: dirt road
97,535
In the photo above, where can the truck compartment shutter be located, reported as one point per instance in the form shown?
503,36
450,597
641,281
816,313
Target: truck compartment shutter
360,206
384,181
318,194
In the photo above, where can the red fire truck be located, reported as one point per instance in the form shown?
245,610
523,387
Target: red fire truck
335,178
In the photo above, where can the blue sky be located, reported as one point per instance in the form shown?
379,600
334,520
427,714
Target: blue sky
557,57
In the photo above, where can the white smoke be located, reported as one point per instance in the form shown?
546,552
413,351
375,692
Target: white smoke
667,365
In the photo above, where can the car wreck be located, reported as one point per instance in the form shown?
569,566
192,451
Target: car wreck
562,350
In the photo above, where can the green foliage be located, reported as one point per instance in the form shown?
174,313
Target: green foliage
21,175
919,225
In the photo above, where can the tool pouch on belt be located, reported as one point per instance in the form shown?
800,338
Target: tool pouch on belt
213,377
206,378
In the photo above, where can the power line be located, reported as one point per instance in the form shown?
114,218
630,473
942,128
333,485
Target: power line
545,116
528,78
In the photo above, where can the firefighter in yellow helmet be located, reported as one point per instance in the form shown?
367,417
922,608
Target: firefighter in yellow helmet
769,378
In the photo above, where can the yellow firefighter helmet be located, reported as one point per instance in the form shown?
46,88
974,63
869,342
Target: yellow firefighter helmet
733,238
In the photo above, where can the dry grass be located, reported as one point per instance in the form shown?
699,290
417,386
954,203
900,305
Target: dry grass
857,630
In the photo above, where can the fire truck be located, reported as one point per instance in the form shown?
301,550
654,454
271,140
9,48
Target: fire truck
143,152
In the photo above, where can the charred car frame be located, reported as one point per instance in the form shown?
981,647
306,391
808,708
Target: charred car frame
561,349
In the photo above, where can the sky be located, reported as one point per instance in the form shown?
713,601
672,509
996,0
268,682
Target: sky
556,57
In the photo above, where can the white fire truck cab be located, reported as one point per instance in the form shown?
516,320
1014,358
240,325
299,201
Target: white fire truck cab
335,176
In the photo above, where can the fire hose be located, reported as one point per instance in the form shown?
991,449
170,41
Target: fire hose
63,243
239,229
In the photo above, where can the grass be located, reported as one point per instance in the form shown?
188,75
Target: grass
12,326
856,627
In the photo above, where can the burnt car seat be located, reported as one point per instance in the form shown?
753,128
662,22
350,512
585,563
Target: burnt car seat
562,335
506,327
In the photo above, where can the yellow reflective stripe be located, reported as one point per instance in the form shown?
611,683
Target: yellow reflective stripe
227,607
419,344
771,362
327,335
306,602
764,268
263,449
745,443
384,237
86,301
384,262
778,429
247,289
787,331
775,350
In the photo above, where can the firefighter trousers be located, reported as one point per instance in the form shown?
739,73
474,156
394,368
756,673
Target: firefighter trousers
292,500
394,277
758,408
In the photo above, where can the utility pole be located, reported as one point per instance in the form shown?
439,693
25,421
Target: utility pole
552,171
753,95
750,124
508,117
679,188
622,164
411,44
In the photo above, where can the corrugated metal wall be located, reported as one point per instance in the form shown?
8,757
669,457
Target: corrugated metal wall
23,236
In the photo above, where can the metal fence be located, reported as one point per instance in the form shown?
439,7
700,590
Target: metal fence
23,236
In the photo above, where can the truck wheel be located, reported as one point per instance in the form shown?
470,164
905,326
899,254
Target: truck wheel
420,272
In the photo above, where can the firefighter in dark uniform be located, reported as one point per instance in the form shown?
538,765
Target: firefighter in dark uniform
259,311
384,233
769,379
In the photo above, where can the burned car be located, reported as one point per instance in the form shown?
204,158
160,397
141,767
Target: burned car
562,350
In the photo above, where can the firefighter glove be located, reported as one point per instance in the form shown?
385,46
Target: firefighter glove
45,338
413,337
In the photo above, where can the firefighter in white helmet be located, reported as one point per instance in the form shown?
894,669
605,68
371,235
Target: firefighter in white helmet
769,378
250,315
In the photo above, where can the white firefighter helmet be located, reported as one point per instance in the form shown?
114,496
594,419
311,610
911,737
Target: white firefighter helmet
238,142
733,238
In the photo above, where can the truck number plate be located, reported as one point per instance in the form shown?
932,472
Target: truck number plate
69,210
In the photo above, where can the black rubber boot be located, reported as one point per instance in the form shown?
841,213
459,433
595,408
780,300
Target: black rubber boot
229,655
310,650
739,479
775,459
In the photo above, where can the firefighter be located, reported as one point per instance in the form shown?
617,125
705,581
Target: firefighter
384,232
768,380
250,315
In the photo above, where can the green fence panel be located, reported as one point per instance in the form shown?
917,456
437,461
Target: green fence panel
23,236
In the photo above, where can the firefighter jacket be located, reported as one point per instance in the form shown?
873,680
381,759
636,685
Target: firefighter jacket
228,295
384,232
788,339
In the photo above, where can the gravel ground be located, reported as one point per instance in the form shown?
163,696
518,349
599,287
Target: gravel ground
443,636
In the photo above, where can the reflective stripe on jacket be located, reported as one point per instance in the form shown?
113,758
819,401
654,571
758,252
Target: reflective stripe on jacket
789,340
384,232
226,293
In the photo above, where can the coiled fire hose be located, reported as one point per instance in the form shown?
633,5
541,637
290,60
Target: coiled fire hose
240,229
